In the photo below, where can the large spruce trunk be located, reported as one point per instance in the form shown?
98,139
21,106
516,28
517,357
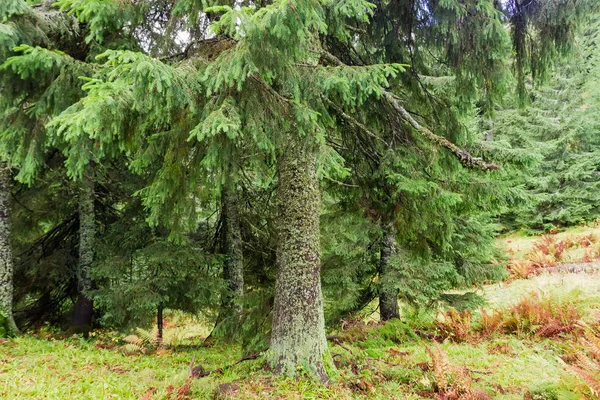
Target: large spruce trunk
388,293
84,307
6,260
233,267
298,332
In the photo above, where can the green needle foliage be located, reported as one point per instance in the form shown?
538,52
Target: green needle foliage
370,146
559,130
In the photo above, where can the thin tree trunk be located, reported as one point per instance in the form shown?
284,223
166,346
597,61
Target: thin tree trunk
230,312
233,269
159,323
84,308
6,260
298,332
388,293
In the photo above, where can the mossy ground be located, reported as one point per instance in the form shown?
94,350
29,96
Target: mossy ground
373,362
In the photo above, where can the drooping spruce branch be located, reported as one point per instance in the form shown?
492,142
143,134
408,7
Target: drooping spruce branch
463,156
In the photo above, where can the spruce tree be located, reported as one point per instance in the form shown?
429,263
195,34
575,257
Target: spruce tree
557,130
294,82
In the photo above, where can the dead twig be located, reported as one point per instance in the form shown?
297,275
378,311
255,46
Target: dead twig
199,372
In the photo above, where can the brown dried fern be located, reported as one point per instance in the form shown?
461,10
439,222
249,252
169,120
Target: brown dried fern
455,325
451,382
440,367
587,360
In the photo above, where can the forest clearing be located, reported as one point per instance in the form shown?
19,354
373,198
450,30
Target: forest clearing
340,199
519,352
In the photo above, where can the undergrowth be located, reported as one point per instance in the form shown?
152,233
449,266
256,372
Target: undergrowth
535,338
553,250
533,315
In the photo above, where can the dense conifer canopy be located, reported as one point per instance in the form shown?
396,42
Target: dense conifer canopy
375,147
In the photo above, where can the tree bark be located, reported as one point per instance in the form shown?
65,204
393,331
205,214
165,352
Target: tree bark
84,307
6,260
388,293
298,331
233,269
159,324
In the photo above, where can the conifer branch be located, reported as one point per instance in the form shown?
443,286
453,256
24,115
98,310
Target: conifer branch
463,156
353,121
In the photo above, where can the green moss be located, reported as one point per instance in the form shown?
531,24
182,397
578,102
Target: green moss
3,325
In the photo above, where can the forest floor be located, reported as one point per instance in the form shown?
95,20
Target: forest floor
536,337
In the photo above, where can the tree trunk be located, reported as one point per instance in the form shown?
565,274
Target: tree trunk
388,293
233,269
298,332
6,260
84,308
159,323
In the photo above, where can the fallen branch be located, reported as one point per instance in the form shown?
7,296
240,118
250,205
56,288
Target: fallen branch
199,372
391,364
335,341
568,268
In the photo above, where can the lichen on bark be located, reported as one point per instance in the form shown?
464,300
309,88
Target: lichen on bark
298,332
6,256
388,292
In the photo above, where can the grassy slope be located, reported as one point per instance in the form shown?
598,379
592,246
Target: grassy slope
34,368
504,366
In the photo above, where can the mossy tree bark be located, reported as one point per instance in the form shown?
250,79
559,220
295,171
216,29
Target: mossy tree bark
298,332
233,268
84,307
388,293
6,256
